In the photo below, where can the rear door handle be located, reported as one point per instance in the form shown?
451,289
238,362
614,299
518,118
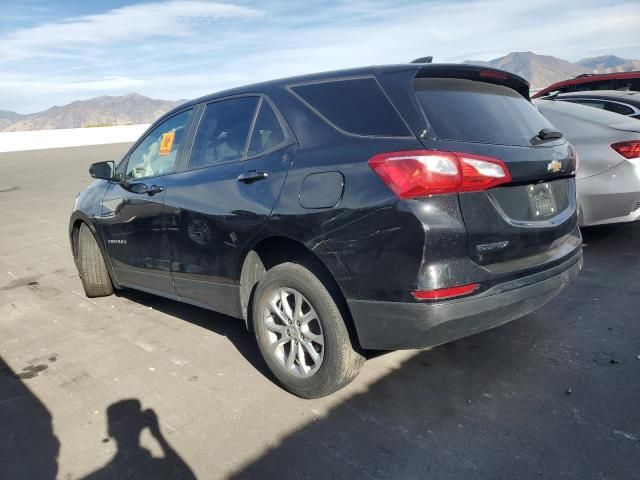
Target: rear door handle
252,176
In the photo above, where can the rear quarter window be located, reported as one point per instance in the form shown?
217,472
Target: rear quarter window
582,112
357,106
472,111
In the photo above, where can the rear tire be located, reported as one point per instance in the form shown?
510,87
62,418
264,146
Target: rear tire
91,266
321,329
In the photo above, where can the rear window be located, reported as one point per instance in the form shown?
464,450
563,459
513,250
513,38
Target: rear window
471,111
608,106
583,112
357,106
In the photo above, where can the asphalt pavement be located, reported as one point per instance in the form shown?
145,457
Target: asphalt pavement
135,386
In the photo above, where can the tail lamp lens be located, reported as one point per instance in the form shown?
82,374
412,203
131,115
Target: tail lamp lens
627,149
421,173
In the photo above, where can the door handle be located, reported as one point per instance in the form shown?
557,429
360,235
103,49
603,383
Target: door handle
252,176
153,189
140,188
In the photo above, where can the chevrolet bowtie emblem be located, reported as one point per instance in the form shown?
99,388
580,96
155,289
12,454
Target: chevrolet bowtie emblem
555,166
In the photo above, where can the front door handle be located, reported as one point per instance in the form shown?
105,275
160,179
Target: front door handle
153,189
252,176
140,188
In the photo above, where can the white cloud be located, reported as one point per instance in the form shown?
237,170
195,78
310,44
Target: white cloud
135,23
66,85
183,49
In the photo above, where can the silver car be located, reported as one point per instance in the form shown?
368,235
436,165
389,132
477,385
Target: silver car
608,146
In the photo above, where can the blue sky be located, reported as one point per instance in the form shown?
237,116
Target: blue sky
56,51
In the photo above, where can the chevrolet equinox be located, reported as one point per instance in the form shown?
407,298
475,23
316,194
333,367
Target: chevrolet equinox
379,208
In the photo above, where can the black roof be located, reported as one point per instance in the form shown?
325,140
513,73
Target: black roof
311,77
426,70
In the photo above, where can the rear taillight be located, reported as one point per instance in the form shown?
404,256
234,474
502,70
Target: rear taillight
627,149
575,159
420,173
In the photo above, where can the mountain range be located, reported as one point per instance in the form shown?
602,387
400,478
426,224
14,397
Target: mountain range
543,70
99,111
539,70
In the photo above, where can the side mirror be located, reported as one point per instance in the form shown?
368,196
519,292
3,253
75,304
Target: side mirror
103,170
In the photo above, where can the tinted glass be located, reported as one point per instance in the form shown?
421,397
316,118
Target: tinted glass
223,131
618,108
157,154
605,105
356,106
470,111
589,103
598,85
267,132
582,112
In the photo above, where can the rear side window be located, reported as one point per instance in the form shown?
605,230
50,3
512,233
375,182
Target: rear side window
357,106
618,108
267,132
223,131
471,111
603,104
589,114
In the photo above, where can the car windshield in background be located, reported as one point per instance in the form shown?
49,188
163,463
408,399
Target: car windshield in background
471,111
583,112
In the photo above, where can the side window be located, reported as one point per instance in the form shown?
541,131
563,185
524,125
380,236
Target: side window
589,103
267,132
618,108
158,152
223,131
356,105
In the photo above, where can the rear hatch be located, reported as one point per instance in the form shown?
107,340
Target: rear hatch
530,220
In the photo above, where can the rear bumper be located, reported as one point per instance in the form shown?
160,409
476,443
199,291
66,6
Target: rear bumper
397,325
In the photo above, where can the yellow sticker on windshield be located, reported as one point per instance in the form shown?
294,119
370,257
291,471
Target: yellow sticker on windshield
166,143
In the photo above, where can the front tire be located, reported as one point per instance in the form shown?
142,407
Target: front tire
302,334
91,266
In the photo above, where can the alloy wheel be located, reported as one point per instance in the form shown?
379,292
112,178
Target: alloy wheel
294,332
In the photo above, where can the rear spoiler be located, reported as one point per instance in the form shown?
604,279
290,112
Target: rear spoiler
478,73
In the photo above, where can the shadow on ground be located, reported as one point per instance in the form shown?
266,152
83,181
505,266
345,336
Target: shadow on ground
126,420
552,395
28,446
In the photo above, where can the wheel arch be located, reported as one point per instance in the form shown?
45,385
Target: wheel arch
74,227
274,250
77,219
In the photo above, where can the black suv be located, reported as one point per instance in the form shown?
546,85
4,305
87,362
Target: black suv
376,208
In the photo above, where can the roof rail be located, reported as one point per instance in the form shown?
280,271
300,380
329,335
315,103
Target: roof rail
423,60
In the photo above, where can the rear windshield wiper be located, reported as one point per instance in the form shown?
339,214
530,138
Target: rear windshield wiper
546,134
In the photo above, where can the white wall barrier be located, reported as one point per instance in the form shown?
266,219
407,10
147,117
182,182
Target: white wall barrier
72,137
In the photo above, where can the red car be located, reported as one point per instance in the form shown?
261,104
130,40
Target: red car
595,81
